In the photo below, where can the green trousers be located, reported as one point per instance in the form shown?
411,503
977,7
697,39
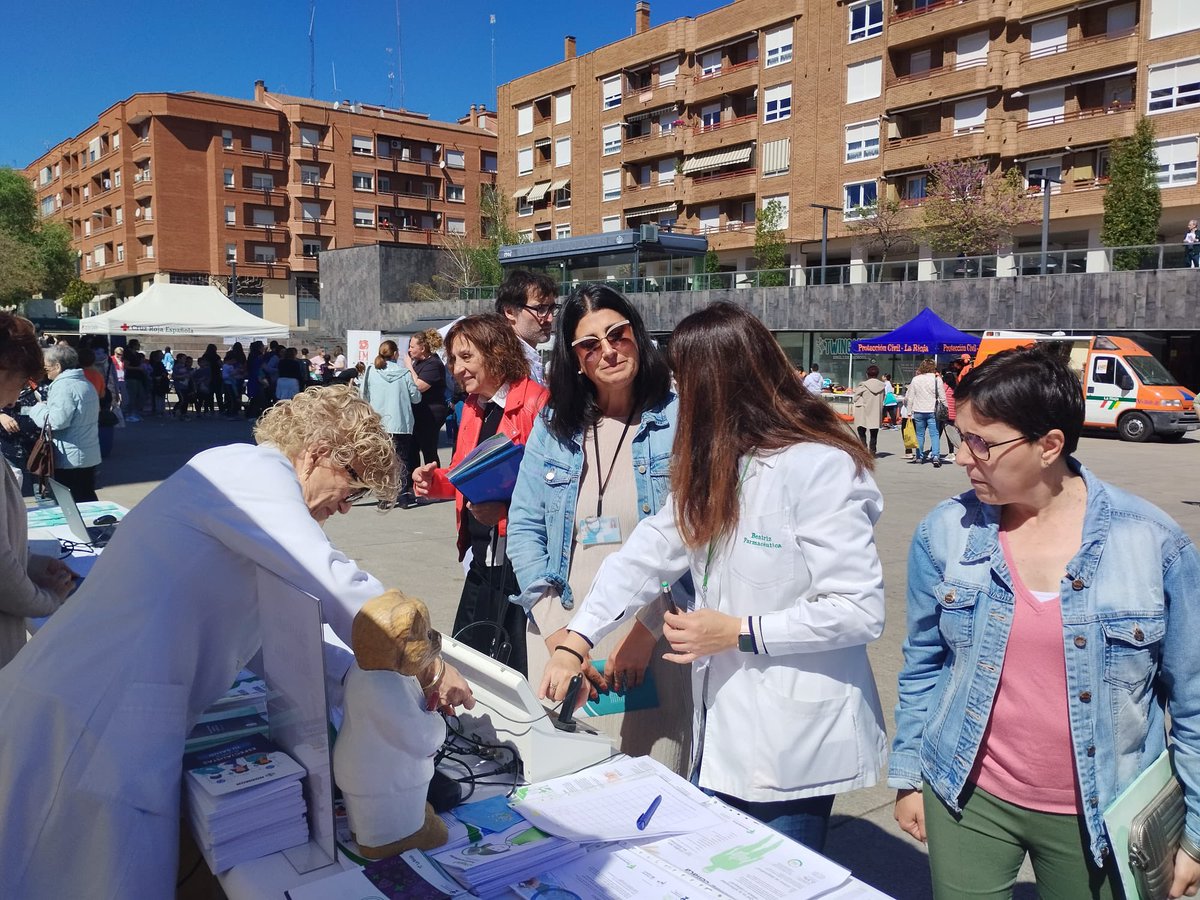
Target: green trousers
979,854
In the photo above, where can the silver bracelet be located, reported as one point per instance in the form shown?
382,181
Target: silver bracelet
1188,846
437,679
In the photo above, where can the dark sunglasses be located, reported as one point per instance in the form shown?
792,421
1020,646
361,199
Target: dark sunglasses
359,492
617,333
980,448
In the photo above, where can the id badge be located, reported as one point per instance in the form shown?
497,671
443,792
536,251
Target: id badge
595,530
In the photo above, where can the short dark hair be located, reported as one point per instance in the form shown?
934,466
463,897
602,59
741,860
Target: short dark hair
572,395
20,352
513,293
1033,389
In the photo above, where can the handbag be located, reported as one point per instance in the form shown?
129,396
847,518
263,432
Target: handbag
941,413
40,463
1154,835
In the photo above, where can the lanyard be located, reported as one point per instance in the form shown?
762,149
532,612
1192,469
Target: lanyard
604,482
712,544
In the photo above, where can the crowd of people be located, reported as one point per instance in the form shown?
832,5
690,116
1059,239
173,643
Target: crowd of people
698,541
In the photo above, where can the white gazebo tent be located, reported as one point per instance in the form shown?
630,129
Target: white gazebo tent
182,309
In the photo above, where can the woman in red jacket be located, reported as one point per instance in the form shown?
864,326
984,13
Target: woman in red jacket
485,357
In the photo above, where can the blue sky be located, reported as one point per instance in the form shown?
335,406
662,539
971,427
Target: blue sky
63,63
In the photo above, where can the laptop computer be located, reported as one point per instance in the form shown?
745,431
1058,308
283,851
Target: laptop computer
96,535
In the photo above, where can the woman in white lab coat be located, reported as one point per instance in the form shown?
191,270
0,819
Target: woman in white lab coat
772,509
94,711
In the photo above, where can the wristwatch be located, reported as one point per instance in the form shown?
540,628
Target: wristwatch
746,640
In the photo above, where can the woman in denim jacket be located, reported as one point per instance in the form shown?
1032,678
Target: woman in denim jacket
601,452
1050,615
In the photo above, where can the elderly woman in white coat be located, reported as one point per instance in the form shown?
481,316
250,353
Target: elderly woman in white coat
72,407
96,709
772,510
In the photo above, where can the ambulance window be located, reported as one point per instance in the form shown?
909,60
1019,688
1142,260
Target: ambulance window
1104,370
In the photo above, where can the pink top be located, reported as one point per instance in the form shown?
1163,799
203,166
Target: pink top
1026,755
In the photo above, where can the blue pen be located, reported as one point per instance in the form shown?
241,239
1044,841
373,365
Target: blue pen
644,818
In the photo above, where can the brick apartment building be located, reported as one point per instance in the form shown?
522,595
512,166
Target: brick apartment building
699,122
179,186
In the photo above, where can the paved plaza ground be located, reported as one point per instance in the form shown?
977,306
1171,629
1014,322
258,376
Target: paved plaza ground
414,550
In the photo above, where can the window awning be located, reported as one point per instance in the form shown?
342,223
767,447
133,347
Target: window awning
707,162
517,195
537,192
1067,82
655,210
560,184
542,142
647,113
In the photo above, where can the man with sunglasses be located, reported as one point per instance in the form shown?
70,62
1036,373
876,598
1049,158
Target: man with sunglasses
529,301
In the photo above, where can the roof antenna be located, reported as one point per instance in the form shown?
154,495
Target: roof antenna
399,59
312,49
333,66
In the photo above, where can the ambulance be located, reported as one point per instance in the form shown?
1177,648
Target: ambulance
1124,387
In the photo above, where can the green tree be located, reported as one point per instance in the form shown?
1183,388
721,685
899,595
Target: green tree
77,293
471,263
20,270
713,277
37,257
970,209
885,226
770,245
1132,201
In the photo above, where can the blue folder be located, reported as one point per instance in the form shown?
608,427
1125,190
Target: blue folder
489,476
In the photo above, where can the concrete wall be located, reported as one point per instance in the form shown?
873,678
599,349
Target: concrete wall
367,287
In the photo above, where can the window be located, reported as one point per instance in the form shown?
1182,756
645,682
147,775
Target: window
228,177
971,50
310,175
710,116
862,141
969,115
310,212
562,108
779,45
611,90
383,184
456,226
710,63
487,161
610,223
1120,18
264,253
866,20
1046,167
710,218
612,139
94,150
364,218
864,80
611,184
261,143
309,137
916,187
310,249
87,227
116,177
524,160
1176,161
120,253
363,181
44,176
456,159
116,140
785,202
47,206
58,169
666,170
1047,37
119,215
562,152
778,104
666,121
668,70
1172,17
264,218
1102,159
361,145
1045,107
455,193
776,157
525,118
262,181
1174,85
227,138
562,231
860,194
562,197
524,207
230,215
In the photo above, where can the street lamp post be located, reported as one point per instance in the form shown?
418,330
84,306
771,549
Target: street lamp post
824,208
1046,182
233,280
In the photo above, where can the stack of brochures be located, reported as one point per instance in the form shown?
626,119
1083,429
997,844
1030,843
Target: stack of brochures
240,712
244,800
487,866
489,472
409,876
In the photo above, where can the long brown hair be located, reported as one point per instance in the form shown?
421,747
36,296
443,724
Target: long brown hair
738,393
388,351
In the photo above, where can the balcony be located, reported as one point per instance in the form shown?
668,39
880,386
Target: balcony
311,152
641,195
728,80
650,146
722,185
942,17
409,234
923,150
265,159
311,189
727,132
255,268
312,226
141,184
1082,197
1024,9
1075,58
1073,129
140,150
730,236
945,82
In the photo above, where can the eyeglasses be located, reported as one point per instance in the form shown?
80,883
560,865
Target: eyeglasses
544,310
980,448
617,333
359,492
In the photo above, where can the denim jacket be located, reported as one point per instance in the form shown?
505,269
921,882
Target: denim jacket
1130,611
541,519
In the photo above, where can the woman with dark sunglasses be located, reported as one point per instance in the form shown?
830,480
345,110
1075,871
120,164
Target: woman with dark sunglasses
597,463
1050,615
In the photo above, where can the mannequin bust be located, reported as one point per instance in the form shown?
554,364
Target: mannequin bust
383,757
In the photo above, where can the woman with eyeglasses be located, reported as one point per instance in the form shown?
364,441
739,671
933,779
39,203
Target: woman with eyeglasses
486,361
772,512
597,463
1050,616
97,707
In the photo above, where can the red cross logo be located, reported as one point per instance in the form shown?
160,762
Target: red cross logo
124,327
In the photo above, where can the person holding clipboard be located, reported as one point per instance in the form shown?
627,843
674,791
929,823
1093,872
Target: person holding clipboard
486,360
597,463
